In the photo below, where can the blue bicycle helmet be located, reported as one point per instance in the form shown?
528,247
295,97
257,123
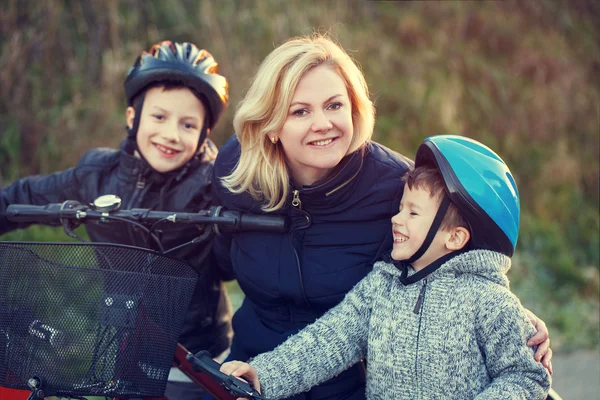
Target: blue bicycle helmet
480,185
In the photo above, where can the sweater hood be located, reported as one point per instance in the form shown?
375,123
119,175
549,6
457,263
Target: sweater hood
486,264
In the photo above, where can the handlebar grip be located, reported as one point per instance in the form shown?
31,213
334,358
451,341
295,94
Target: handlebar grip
255,222
201,361
30,213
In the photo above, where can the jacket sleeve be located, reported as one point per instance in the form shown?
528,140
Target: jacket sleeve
222,242
221,245
503,332
221,248
330,345
37,190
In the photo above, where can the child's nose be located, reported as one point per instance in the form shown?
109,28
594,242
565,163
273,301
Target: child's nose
170,133
397,219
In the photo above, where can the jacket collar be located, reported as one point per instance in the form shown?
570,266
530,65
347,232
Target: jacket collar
337,185
134,168
323,195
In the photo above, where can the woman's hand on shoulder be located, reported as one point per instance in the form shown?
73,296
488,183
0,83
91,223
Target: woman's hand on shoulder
542,340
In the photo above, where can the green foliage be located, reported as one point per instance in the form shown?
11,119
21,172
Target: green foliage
10,148
43,234
520,76
568,305
235,294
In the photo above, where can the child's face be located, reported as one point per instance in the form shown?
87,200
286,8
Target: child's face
411,225
318,130
170,127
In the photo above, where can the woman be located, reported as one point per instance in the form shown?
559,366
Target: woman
302,149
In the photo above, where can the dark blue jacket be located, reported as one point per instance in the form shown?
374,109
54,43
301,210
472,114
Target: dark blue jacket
341,227
109,171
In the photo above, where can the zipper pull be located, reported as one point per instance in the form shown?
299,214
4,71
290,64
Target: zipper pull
296,200
419,304
140,182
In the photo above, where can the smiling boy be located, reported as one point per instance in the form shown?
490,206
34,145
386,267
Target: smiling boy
175,97
441,322
170,127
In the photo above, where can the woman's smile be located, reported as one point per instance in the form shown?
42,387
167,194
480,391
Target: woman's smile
318,130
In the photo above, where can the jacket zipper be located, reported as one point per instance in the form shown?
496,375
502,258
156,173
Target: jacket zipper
417,310
297,203
419,303
296,199
139,186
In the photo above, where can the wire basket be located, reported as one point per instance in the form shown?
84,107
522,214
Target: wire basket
90,319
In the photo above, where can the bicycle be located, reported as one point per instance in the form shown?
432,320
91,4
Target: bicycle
200,368
121,361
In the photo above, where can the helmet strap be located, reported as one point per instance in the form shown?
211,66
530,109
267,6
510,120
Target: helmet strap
138,116
203,135
435,225
132,132
428,270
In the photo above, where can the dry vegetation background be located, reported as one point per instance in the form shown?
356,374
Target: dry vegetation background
521,76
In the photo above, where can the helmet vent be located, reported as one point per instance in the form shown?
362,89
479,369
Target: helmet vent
201,56
213,69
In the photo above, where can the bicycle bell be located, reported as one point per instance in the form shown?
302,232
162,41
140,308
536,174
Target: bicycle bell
107,203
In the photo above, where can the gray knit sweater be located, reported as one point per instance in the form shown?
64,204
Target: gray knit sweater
466,339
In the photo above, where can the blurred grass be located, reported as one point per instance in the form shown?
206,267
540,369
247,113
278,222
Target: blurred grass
43,234
235,294
523,77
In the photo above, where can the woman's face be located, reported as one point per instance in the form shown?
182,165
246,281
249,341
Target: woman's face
318,129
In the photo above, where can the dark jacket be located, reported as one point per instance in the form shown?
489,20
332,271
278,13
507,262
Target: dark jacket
108,171
341,227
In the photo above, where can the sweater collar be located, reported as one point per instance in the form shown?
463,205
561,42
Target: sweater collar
486,264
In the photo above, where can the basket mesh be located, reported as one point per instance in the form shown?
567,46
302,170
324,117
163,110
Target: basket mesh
90,319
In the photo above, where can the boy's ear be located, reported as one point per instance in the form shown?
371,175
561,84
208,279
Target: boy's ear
459,237
129,116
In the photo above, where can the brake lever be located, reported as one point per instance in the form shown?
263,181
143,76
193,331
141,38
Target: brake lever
69,225
202,362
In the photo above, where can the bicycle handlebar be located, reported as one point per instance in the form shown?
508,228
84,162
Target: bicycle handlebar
202,362
29,213
228,221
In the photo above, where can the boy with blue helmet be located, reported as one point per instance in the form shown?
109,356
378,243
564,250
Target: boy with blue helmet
439,321
175,97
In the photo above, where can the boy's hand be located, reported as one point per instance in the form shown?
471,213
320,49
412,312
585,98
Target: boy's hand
542,340
238,369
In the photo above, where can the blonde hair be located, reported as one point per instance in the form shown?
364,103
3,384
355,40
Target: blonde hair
261,169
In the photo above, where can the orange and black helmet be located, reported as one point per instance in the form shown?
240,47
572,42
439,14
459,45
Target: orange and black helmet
182,63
